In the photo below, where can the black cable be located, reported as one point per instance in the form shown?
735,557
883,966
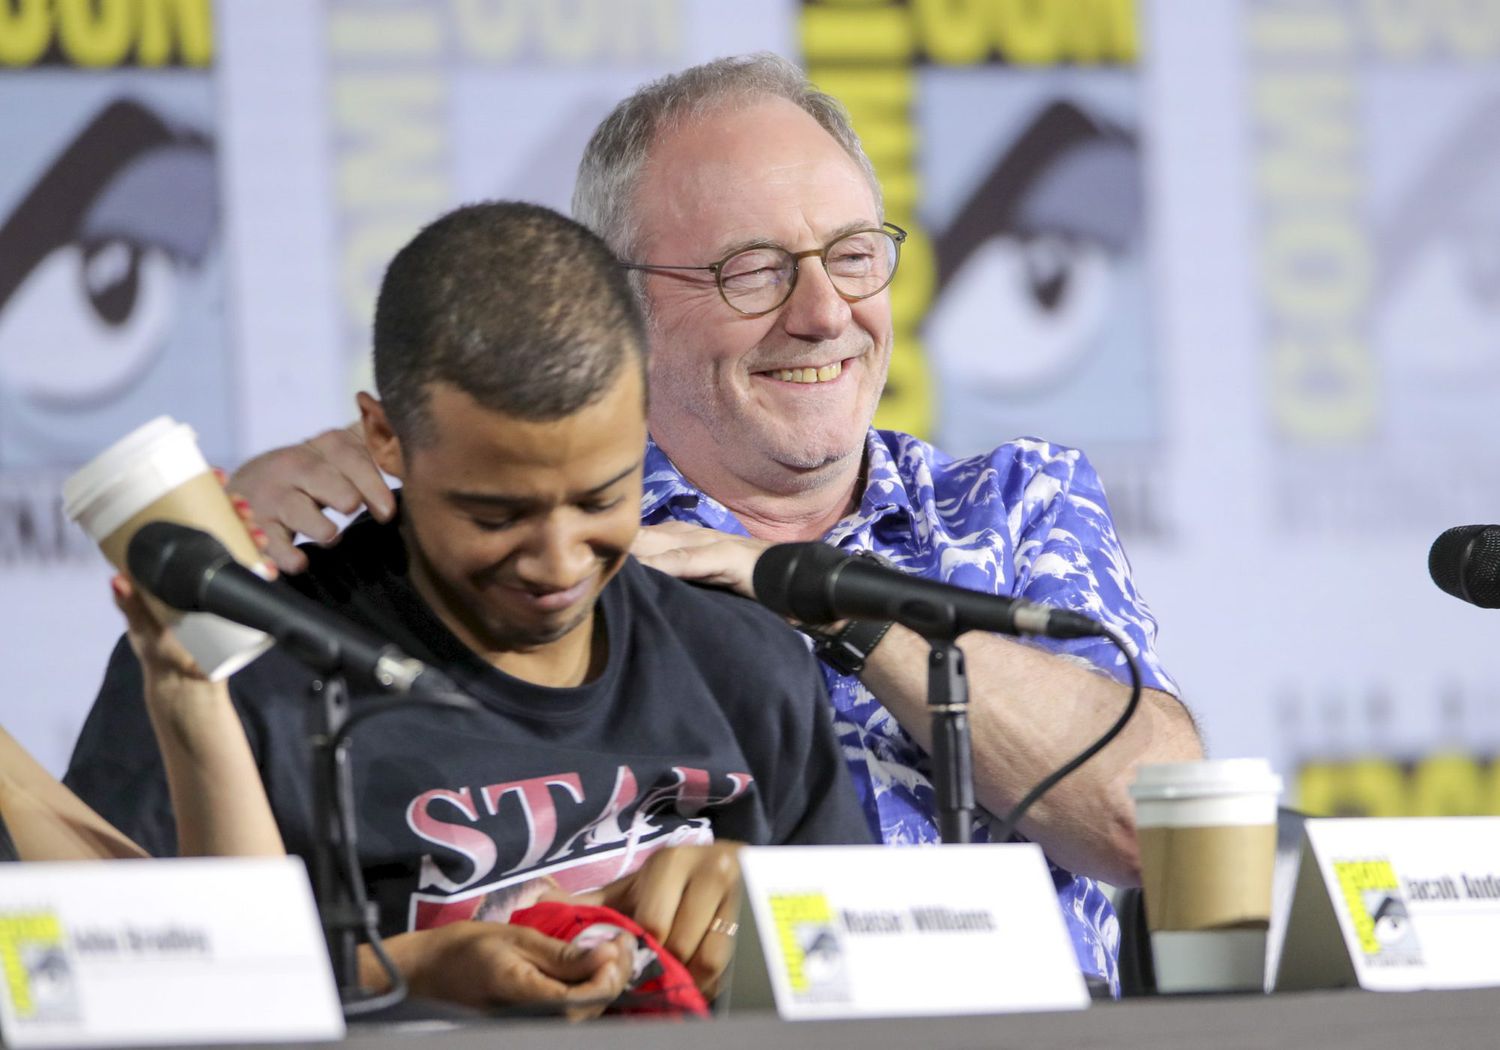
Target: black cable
1007,826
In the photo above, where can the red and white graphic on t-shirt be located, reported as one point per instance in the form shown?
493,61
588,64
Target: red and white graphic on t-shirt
572,842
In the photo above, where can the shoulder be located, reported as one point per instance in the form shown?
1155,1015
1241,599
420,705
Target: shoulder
366,551
1025,474
728,636
695,611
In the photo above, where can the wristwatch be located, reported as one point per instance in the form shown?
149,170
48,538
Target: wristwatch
847,649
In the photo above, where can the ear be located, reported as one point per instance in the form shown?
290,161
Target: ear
380,438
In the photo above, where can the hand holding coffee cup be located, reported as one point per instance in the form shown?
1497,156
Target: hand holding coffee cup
157,473
1207,833
156,647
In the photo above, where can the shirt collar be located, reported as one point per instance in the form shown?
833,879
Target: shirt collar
667,494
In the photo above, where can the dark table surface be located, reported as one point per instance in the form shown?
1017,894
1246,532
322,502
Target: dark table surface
1336,1020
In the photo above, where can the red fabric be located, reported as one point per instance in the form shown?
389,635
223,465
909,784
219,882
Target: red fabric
662,984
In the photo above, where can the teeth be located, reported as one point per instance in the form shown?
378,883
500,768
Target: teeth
810,375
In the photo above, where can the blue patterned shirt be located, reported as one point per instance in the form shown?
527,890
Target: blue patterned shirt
1026,520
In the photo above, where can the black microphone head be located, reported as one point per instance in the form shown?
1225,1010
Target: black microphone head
172,561
1465,562
790,579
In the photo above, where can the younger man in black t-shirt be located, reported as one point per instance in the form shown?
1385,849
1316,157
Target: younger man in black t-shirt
621,711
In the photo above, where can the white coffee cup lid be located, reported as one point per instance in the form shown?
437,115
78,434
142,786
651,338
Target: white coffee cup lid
112,487
1225,776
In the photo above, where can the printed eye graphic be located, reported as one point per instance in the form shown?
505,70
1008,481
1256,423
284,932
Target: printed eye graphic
1436,297
1034,302
91,258
1390,922
1028,266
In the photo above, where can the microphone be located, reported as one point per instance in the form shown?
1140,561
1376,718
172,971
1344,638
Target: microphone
1465,562
816,583
192,571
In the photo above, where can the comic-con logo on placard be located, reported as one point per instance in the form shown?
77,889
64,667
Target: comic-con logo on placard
1377,909
812,947
39,986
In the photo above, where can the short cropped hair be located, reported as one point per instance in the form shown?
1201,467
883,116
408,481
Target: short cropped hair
615,158
522,309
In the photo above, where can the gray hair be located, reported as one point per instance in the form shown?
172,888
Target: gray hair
613,162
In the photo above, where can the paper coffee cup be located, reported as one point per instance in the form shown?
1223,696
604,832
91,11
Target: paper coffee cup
157,473
1207,834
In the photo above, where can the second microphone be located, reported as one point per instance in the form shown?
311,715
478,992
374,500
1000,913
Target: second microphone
816,584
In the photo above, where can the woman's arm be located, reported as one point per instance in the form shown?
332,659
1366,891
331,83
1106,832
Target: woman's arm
46,820
216,789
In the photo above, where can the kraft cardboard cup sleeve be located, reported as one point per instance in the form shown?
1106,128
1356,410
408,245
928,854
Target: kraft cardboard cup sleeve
157,473
1207,834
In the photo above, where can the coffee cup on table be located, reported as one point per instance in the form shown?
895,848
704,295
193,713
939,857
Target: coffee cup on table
157,473
1207,833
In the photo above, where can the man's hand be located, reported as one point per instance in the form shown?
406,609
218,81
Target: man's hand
488,964
692,552
289,488
688,898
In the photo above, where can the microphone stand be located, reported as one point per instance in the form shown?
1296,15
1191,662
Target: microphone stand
953,772
342,916
948,704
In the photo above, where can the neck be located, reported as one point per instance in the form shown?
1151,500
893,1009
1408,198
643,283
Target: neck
575,658
793,505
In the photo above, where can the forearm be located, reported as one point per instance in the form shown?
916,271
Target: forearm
46,820
1031,711
216,789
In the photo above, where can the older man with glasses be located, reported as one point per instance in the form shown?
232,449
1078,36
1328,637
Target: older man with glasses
751,221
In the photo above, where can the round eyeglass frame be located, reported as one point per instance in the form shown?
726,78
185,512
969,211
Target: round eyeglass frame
890,229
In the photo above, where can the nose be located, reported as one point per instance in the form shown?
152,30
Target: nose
556,554
815,310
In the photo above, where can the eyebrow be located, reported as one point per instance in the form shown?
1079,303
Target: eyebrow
492,499
726,250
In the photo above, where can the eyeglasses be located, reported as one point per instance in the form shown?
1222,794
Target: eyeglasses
755,281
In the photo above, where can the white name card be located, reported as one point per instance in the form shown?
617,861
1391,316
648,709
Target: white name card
127,952
1395,905
874,931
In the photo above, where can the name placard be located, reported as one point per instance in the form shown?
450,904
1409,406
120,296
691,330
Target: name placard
128,952
1395,905
871,931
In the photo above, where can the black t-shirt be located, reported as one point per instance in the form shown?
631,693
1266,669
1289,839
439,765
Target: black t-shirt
709,720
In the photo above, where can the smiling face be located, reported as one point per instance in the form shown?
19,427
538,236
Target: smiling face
781,402
513,526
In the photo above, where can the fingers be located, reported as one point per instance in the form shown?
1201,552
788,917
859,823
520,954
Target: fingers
482,964
281,548
608,983
710,906
723,561
345,451
288,490
678,562
711,961
541,969
156,648
138,618
258,535
669,535
679,885
651,895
